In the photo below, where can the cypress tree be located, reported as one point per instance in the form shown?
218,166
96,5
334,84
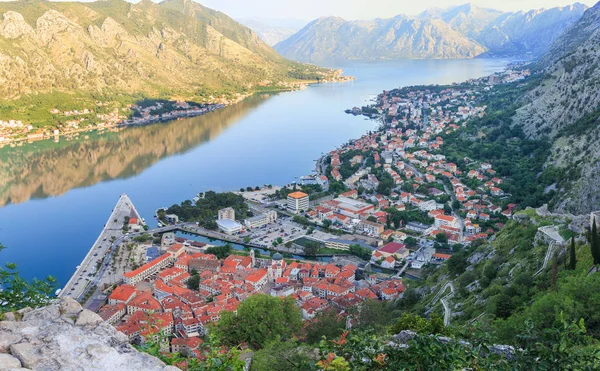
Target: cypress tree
573,261
595,242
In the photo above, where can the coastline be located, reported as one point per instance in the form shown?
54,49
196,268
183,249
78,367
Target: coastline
172,115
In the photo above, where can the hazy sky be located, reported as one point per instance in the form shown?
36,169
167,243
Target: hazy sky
362,9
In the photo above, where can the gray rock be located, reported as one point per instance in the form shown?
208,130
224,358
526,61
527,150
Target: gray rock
69,306
404,336
43,340
8,362
6,339
87,317
24,310
9,316
27,353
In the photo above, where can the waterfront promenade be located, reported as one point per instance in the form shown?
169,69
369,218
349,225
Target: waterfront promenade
100,250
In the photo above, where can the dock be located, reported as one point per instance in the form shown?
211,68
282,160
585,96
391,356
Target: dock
86,273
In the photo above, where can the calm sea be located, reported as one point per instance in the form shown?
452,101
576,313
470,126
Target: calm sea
56,197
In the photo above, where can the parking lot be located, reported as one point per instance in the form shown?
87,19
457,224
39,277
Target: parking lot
283,228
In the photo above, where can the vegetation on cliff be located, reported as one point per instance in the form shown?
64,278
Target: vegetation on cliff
74,55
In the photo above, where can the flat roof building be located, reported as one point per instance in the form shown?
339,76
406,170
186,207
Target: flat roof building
229,226
261,219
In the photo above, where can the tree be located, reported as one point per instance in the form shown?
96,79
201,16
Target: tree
17,293
595,244
456,205
326,324
441,238
260,319
311,248
193,282
220,252
373,314
447,209
413,322
326,223
458,263
410,241
283,355
361,252
573,257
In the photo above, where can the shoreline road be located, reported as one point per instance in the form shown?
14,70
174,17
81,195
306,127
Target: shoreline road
86,271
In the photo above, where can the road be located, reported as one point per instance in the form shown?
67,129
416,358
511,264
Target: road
101,249
549,254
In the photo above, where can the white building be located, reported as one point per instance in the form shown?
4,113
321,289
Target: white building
261,219
297,201
282,290
229,226
227,213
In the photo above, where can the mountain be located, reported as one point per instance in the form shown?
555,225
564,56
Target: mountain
272,31
176,48
528,33
464,31
565,107
398,37
468,19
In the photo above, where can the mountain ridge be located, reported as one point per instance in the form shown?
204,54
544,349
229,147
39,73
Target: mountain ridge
176,48
463,31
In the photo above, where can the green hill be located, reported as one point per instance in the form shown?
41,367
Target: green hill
114,50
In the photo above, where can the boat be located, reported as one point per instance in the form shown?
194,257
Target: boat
57,292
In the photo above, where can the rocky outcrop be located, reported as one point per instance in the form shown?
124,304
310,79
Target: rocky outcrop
564,107
13,25
63,336
111,47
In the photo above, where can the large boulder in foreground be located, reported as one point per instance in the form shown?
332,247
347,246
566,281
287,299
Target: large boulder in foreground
63,336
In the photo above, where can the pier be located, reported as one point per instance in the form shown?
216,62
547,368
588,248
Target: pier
112,233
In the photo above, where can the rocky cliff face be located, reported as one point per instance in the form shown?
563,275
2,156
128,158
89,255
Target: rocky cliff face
462,31
528,33
174,47
398,37
62,336
564,107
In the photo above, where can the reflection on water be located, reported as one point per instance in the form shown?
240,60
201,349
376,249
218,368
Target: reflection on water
46,168
73,185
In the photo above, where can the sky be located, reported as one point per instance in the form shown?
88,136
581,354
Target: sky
362,9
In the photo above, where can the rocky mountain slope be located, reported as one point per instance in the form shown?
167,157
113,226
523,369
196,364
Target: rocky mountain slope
398,37
565,107
173,48
273,31
63,336
528,33
462,31
468,19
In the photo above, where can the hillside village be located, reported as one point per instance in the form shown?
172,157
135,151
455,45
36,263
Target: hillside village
156,301
68,122
397,182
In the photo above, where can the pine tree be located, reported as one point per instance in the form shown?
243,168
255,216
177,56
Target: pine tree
595,242
573,261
